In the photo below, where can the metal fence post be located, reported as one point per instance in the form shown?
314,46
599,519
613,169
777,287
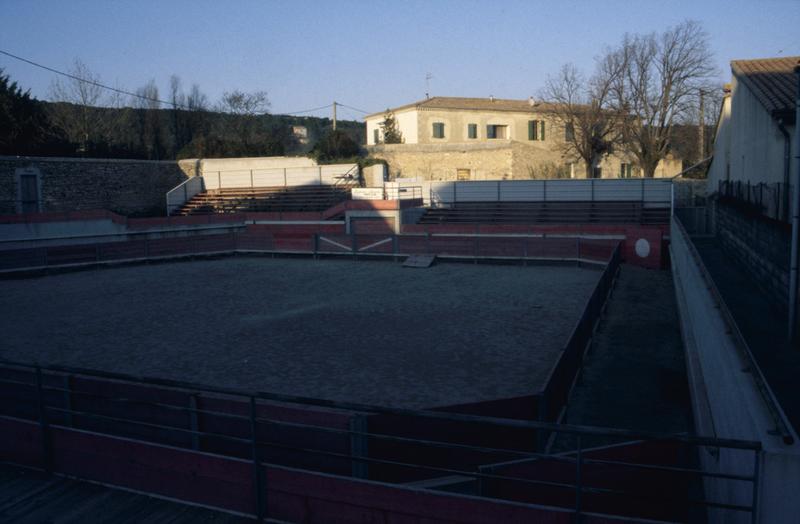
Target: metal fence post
353,242
258,482
67,385
47,459
394,247
756,469
578,488
251,179
358,446
316,246
194,423
219,179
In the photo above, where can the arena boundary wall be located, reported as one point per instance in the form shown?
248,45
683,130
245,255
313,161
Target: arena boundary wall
730,396
142,434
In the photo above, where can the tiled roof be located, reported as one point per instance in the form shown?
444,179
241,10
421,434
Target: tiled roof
772,81
475,104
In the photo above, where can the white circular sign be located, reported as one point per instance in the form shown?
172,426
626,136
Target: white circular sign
642,248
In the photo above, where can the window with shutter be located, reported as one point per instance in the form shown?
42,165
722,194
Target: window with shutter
531,129
541,129
490,132
472,130
438,130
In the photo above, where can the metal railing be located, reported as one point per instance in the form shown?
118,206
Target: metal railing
553,398
122,405
521,247
403,193
653,192
759,199
274,177
782,426
183,192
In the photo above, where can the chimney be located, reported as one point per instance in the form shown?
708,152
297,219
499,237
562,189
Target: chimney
531,101
491,98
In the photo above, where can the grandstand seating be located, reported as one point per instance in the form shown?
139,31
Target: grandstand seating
547,212
280,198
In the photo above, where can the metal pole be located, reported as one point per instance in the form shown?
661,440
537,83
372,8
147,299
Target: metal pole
219,180
334,115
251,179
257,480
47,459
795,220
756,469
194,423
578,488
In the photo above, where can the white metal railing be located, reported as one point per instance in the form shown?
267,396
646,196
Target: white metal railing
183,192
272,177
654,192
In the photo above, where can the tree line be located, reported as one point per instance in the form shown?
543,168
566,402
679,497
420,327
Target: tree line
81,118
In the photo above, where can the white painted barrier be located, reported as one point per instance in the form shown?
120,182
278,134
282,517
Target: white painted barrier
728,401
652,191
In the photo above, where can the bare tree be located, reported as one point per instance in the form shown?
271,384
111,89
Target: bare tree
243,110
663,73
583,109
78,96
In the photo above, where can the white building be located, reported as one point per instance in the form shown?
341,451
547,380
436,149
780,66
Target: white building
756,128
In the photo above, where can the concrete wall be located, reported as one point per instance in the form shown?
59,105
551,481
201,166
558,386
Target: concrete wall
760,246
727,404
209,165
128,187
748,143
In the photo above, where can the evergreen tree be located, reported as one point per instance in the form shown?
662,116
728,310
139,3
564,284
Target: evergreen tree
391,133
23,124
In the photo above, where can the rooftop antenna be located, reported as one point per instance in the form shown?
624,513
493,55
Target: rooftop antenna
428,77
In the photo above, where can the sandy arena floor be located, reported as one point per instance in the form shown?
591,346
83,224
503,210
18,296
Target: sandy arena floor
359,331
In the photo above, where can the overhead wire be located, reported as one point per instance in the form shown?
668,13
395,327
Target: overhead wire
176,105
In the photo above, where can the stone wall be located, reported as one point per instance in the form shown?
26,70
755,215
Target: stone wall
491,161
494,160
761,246
127,187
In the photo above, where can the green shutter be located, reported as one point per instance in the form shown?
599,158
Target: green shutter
472,130
489,131
541,124
531,130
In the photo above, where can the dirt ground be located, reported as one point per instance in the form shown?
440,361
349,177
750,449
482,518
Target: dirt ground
358,331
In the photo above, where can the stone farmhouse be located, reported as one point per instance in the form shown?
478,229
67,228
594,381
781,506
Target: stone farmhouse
450,138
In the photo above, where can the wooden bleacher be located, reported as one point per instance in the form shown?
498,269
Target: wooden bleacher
268,199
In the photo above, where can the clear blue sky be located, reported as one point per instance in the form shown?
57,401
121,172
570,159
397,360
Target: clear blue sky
367,54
